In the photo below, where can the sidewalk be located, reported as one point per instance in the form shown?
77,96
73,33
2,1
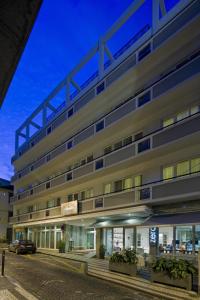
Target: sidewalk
11,290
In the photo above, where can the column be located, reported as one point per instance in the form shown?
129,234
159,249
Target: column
99,241
174,240
153,241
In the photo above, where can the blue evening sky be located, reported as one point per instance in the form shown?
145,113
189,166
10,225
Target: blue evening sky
63,33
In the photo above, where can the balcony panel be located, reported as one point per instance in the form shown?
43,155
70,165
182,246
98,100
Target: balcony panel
58,151
87,169
120,112
172,80
84,100
55,211
178,23
125,66
126,198
84,135
40,188
40,162
175,188
87,206
177,132
58,180
120,155
59,120
39,215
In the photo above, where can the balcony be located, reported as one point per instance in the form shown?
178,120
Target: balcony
165,136
135,51
174,77
170,191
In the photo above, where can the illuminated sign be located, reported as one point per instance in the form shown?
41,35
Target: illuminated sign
153,235
69,208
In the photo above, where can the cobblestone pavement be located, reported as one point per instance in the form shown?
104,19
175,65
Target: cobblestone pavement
41,277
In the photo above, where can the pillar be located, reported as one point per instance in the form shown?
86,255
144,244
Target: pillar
99,241
153,241
174,240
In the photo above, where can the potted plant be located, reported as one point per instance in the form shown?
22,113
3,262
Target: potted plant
102,251
124,262
61,247
172,271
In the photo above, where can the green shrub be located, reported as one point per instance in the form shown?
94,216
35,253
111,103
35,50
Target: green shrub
175,268
124,256
61,245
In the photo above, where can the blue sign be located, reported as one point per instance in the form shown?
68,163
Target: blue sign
153,235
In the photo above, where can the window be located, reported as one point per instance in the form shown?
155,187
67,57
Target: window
83,195
48,130
48,157
69,176
183,115
107,150
118,186
107,188
168,172
144,145
31,192
76,196
47,213
183,168
138,136
127,140
138,239
145,194
32,144
70,197
194,109
195,165
90,158
99,203
70,112
127,183
144,99
100,88
32,167
48,185
50,203
138,180
118,145
100,126
99,164
144,52
89,193
30,208
168,122
69,144
58,201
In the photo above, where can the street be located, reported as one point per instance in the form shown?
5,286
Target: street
45,277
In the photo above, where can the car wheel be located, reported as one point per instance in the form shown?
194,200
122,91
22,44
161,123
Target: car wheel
17,251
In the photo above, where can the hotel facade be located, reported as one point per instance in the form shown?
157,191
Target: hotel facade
118,162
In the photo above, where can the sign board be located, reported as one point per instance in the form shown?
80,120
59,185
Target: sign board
153,235
69,208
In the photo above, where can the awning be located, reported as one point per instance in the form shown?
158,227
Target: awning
174,219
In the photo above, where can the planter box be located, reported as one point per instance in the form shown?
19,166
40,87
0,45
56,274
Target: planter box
128,269
162,277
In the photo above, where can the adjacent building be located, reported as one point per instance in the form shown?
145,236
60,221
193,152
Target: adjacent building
6,192
118,162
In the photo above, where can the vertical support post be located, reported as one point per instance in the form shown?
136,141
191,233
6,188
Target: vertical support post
16,141
27,132
68,91
3,263
199,272
101,58
135,237
99,241
174,240
155,15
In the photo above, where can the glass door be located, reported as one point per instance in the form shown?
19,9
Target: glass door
118,238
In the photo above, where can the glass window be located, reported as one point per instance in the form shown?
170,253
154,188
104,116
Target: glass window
100,126
69,144
76,196
127,140
70,197
168,172
118,239
128,183
89,193
129,238
52,239
98,202
50,203
107,188
195,165
166,239
183,168
82,195
142,240
184,239
194,109
108,150
183,115
118,186
168,122
99,164
197,238
69,176
138,180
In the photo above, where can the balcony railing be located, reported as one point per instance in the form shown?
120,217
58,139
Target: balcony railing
162,190
180,129
178,73
181,17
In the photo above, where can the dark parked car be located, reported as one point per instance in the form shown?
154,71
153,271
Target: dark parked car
22,246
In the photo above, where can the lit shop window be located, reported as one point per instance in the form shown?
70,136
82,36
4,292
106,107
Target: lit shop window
183,168
128,183
168,172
